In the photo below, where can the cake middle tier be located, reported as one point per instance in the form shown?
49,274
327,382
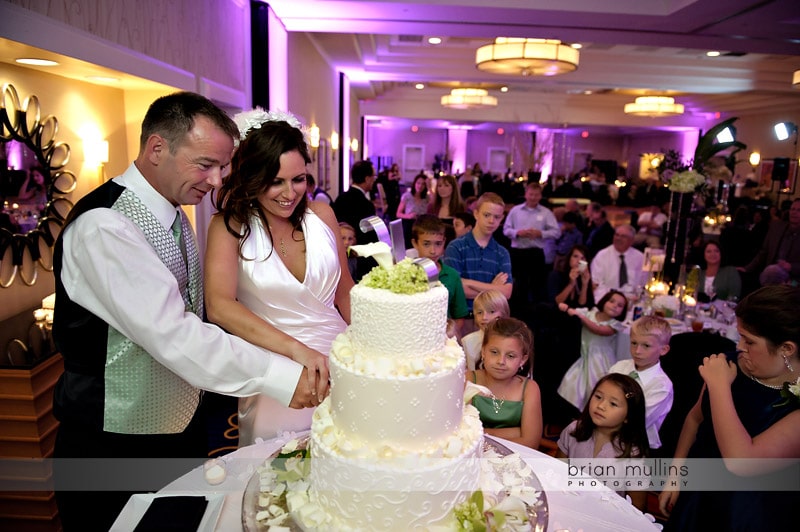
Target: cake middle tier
407,404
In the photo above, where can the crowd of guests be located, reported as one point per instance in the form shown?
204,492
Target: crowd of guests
140,343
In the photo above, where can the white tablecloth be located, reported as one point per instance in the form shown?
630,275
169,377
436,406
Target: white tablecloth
570,511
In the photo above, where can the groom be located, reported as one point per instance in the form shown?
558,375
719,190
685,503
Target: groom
129,313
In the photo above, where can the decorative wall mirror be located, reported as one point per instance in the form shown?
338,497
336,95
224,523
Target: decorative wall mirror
33,188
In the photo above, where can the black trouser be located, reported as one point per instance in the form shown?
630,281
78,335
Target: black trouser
83,511
530,276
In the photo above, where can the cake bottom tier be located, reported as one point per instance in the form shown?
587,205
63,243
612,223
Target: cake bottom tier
394,493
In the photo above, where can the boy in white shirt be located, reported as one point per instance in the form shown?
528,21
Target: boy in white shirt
649,342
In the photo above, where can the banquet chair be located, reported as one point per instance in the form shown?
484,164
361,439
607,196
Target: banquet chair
681,363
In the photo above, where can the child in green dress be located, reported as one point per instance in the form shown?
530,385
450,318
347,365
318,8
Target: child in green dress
513,411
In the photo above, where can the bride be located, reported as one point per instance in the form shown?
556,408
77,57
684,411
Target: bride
290,291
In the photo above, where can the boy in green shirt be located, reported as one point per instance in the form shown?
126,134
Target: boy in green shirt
427,237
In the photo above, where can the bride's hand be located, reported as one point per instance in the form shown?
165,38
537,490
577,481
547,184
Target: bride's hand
318,374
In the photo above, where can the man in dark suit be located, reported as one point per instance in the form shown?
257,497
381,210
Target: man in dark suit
778,260
355,204
598,232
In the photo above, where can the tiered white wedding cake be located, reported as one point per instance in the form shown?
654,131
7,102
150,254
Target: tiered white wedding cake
394,447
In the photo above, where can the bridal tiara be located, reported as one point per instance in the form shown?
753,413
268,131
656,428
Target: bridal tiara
252,119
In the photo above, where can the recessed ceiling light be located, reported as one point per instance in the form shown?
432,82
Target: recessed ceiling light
713,53
419,86
105,79
434,40
35,62
503,89
576,45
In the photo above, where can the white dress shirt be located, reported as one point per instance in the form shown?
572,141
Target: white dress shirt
524,217
110,269
605,270
658,395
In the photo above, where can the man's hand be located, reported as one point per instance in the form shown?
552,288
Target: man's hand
306,395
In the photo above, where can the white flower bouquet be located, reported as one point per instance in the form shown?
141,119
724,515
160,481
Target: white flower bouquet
669,305
686,181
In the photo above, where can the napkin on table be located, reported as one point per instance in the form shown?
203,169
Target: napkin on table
180,513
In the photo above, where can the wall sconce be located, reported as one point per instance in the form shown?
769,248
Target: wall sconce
313,136
95,152
354,145
334,144
755,158
655,162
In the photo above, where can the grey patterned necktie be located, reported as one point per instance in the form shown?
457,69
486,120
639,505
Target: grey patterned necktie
176,234
193,262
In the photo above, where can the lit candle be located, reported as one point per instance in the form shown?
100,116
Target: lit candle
689,301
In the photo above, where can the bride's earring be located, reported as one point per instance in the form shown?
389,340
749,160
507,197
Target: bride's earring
788,365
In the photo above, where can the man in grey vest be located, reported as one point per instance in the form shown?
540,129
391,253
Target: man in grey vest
129,313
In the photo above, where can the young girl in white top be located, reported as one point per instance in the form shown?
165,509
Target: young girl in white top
610,426
487,307
598,346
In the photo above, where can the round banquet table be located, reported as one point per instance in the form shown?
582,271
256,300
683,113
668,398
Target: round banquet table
569,511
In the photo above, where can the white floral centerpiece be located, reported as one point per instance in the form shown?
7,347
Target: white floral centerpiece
669,305
686,181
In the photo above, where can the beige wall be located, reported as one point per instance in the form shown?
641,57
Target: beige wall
205,38
313,92
76,105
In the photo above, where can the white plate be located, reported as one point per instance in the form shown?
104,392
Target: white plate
139,502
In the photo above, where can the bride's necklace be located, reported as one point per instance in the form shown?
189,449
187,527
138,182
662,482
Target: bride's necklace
281,243
773,386
497,404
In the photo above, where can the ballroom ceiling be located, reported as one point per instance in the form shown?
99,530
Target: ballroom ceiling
630,47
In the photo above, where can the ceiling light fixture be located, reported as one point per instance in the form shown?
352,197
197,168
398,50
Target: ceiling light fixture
467,98
654,106
527,57
33,61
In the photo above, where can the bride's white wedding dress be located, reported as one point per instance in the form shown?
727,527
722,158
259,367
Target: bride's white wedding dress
303,310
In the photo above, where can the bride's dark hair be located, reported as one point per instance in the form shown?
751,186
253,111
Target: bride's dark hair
255,164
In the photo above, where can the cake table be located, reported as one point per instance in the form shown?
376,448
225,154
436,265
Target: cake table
597,510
